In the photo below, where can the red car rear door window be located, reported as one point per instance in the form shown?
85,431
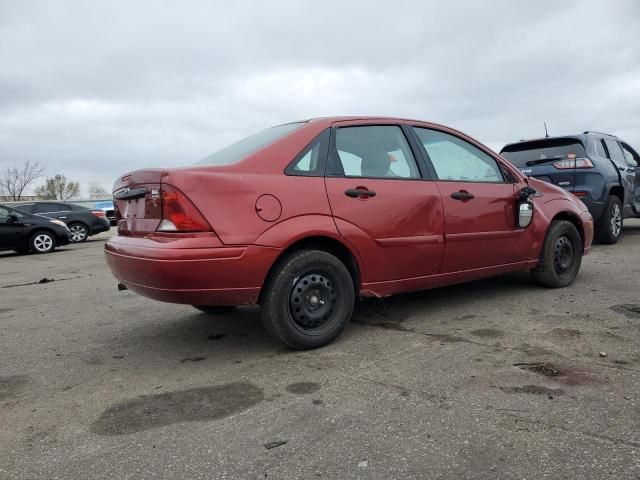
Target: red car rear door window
382,205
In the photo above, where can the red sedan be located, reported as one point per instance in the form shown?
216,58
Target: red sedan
304,217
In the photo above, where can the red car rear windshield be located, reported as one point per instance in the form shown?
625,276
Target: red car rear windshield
239,150
528,153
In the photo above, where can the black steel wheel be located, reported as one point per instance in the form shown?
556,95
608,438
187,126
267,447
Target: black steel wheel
563,255
560,257
312,302
308,299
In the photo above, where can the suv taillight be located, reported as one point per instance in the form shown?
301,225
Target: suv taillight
573,163
179,214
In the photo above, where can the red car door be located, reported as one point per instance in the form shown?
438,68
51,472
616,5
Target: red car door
479,204
381,204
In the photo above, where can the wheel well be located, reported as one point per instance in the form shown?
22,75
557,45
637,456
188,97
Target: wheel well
573,218
618,191
326,244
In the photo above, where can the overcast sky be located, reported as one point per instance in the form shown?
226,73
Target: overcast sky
93,89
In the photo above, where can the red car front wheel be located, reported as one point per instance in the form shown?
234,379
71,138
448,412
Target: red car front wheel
560,257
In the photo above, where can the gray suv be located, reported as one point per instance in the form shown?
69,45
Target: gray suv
600,169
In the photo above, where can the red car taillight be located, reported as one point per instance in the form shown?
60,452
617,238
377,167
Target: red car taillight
573,163
98,213
179,214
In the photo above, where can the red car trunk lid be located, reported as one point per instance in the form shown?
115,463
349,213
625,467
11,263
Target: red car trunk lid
137,201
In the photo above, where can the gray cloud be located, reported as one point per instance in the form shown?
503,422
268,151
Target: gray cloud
94,89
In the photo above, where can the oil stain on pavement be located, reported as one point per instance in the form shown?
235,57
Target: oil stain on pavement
565,375
11,385
533,389
488,333
303,388
565,333
398,327
628,310
195,404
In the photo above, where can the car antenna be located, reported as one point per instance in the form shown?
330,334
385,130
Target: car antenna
546,133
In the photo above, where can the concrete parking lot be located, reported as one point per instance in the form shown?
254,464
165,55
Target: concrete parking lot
494,379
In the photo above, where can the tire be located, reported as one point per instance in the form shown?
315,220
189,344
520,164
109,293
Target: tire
79,232
608,228
214,309
561,255
308,299
42,242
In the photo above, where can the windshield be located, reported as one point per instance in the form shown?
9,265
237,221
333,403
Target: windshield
531,153
239,150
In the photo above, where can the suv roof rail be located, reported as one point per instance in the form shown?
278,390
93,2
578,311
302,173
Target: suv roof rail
600,133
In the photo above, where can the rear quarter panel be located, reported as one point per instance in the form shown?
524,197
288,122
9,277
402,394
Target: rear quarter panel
228,202
227,195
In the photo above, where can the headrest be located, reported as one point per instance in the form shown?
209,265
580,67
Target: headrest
376,164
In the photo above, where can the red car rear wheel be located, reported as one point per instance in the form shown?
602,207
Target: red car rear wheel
308,299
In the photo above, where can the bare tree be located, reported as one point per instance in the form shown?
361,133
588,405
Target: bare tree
96,190
58,188
14,181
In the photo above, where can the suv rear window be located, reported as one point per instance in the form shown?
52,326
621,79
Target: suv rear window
239,150
531,153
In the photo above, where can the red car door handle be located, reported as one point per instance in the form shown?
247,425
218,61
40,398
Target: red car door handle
359,192
462,195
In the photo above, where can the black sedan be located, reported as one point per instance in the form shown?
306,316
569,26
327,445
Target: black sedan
24,233
82,221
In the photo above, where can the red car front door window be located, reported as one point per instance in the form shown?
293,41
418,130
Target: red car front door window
479,205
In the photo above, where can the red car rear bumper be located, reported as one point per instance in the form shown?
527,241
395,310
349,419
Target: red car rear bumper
196,270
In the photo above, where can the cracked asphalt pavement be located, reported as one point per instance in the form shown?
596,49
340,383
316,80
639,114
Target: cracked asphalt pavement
497,378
